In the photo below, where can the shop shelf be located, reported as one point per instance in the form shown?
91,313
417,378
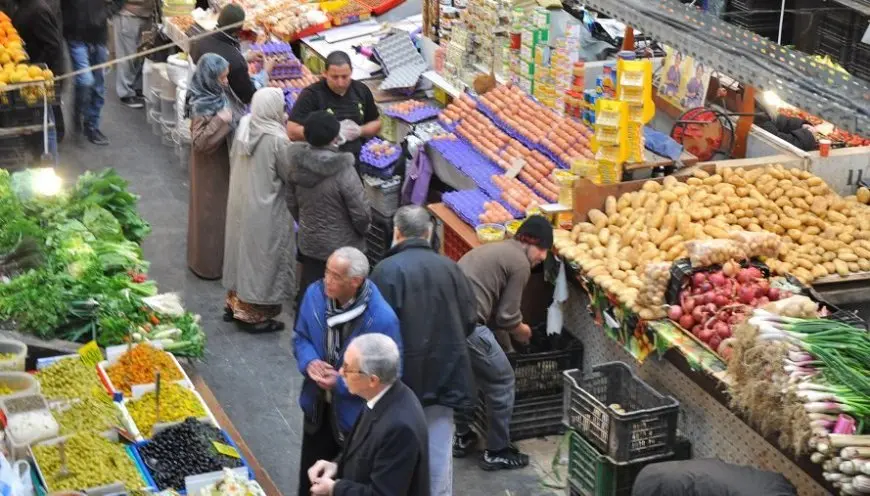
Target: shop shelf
645,426
592,474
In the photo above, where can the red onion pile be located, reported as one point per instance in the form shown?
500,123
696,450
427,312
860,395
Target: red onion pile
712,303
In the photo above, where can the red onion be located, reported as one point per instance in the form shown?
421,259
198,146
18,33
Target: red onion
717,279
705,287
722,330
710,308
726,347
720,300
746,294
745,276
675,312
698,278
687,322
706,335
696,331
773,294
755,273
714,342
764,300
688,304
698,314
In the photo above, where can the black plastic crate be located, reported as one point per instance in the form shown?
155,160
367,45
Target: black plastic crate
538,371
532,417
21,116
592,474
848,317
755,5
839,49
379,238
859,61
645,426
18,152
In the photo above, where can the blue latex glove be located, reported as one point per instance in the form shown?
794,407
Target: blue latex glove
261,79
661,144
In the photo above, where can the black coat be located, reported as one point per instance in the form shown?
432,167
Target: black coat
436,308
790,130
227,47
87,20
39,29
387,452
707,477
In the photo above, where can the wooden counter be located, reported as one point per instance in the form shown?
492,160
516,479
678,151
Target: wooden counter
453,222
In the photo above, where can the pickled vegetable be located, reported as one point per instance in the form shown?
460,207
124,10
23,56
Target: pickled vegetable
5,389
488,233
68,379
176,404
93,414
92,461
7,356
137,366
185,449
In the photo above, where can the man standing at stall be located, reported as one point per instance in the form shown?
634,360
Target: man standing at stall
436,310
133,20
498,273
350,101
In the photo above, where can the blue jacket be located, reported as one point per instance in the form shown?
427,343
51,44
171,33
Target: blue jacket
309,343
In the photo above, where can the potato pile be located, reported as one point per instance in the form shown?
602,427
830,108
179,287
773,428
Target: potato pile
820,233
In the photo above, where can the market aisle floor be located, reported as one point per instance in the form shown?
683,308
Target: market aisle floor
254,377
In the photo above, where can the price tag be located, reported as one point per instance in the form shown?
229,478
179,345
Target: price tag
226,449
516,167
91,354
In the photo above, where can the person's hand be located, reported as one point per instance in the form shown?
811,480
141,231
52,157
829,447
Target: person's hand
322,373
349,130
322,487
522,333
254,56
225,115
328,380
268,65
322,469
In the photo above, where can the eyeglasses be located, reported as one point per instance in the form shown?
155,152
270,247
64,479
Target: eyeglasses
344,371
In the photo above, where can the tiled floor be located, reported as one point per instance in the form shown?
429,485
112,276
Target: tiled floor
254,377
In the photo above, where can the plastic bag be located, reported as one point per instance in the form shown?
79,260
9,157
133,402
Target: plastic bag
757,244
15,479
655,283
349,130
707,252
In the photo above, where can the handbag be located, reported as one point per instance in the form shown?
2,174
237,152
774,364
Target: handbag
154,37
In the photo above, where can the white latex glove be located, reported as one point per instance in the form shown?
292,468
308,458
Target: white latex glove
350,130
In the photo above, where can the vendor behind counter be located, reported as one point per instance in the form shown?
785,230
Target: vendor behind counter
345,98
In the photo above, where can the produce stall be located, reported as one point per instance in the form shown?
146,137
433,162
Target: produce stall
77,432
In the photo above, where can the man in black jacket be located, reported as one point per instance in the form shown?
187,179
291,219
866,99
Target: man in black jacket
386,452
224,43
86,29
38,27
435,305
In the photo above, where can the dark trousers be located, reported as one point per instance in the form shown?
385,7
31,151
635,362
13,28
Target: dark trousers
318,445
312,271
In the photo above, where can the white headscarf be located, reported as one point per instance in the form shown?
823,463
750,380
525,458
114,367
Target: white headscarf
266,118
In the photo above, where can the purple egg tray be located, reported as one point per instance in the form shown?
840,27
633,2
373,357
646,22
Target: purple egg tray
382,166
415,115
467,204
449,127
290,96
274,48
286,71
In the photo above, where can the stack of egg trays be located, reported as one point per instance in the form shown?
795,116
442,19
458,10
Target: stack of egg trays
401,61
416,115
290,96
274,48
405,77
383,166
467,204
470,162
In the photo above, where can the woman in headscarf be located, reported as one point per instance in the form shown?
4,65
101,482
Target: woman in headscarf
207,107
260,243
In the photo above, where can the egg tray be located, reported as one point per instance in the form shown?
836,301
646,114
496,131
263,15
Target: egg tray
286,71
447,127
405,77
383,161
467,204
396,50
416,115
274,48
290,96
470,162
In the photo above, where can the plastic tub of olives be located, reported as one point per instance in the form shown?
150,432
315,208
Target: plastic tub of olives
20,383
13,353
104,490
139,390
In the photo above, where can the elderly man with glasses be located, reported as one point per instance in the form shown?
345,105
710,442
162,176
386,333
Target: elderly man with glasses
334,311
387,451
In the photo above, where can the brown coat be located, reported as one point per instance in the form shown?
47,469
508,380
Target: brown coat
209,187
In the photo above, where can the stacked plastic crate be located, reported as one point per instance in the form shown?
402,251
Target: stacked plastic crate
619,424
762,17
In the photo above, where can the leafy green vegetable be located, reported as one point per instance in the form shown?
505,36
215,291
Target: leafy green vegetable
102,224
109,190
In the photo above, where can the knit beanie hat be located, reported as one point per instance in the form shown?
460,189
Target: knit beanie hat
536,231
231,14
321,128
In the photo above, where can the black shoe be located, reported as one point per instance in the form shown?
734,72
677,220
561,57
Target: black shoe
96,137
504,459
133,102
228,314
463,444
270,325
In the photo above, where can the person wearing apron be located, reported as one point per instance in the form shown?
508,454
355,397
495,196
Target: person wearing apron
350,101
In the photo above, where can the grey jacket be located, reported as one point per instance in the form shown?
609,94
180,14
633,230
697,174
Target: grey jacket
328,201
